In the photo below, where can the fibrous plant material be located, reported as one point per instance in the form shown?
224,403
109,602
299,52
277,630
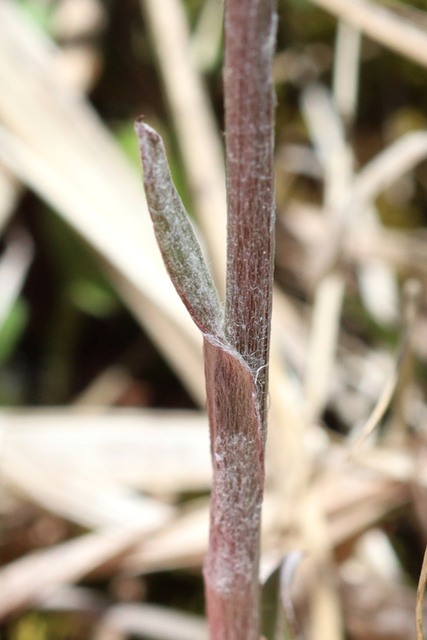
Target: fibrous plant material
381,24
236,344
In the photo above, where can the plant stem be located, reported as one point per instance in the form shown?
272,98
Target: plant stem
231,566
236,348
237,372
250,27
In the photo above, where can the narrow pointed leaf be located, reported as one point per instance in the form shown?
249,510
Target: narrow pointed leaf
175,235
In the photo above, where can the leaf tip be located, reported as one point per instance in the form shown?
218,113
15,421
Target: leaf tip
145,133
150,144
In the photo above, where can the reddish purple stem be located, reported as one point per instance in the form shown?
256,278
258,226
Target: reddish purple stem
237,375
231,567
250,29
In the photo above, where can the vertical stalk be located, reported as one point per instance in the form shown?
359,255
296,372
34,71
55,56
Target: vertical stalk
237,373
250,27
231,566
236,347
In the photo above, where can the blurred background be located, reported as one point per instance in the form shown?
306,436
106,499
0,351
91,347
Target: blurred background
104,458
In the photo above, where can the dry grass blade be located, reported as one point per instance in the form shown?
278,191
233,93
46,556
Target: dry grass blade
153,621
367,513
323,342
412,292
30,579
346,71
328,136
74,598
91,501
400,466
377,282
129,447
382,25
420,598
300,159
325,609
378,285
288,424
106,389
404,249
328,133
207,35
181,544
287,571
194,122
389,165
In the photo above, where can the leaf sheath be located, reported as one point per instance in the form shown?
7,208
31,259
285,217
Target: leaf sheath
231,566
235,349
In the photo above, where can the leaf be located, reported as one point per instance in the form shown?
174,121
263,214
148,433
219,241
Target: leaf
175,235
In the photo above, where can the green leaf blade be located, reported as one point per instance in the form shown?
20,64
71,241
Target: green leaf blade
176,238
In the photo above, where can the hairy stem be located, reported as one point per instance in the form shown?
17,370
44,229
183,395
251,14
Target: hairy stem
235,348
237,372
231,567
250,27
